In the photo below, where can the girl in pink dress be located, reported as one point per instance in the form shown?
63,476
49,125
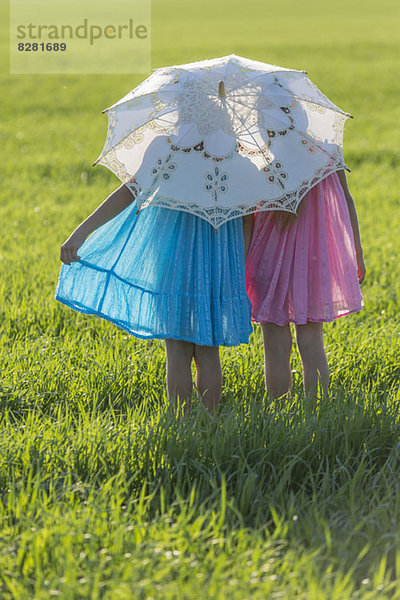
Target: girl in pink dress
305,269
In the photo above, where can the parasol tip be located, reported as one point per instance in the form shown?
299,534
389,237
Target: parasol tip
221,89
216,229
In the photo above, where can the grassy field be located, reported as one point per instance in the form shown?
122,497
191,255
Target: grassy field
103,492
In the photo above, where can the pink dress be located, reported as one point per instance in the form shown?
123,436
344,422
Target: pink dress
308,271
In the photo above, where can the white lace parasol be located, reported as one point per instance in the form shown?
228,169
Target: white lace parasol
223,138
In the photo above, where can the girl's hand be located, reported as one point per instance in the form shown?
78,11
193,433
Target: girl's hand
361,268
68,253
111,207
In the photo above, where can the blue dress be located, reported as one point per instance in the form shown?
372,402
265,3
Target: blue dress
162,274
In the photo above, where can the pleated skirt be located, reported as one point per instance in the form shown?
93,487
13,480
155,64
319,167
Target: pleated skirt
163,274
307,271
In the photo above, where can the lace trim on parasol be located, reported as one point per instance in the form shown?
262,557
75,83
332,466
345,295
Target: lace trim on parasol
216,216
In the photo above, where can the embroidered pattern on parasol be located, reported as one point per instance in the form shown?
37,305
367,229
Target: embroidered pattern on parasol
224,137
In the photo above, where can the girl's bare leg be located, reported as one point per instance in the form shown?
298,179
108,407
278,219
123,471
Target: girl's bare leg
179,372
209,374
310,342
277,350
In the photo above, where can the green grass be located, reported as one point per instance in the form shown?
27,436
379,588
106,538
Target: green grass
103,492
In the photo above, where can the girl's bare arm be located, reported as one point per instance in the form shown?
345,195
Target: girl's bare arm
354,225
110,208
248,221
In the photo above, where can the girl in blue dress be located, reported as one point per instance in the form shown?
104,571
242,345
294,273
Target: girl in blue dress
165,274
